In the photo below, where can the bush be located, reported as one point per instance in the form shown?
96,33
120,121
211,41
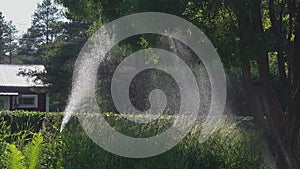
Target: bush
28,159
230,147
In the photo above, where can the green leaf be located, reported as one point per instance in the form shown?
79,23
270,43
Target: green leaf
13,158
33,150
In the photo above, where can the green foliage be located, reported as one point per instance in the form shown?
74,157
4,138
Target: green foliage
59,60
14,158
232,146
22,121
33,150
229,147
45,28
242,32
7,40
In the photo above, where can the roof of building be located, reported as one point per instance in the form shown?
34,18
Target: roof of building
15,75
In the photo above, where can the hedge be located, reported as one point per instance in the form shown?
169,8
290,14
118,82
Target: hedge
230,147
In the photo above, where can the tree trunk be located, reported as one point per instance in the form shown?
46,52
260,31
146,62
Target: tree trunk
276,26
280,126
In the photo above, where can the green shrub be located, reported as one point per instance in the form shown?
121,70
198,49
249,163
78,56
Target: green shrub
232,146
13,158
33,150
25,120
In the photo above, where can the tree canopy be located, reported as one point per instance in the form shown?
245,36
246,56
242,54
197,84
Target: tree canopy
258,42
7,40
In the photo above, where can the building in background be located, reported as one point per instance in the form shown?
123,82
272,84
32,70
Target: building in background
20,89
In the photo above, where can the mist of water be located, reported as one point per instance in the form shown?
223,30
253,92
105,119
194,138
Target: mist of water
85,74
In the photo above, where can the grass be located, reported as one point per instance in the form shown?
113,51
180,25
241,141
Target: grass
232,146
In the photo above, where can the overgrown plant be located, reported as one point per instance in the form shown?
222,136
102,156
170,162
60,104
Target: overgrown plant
234,145
14,158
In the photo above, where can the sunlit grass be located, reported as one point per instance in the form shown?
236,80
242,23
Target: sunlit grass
232,145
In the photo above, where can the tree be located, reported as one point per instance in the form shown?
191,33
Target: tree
245,32
45,22
278,119
253,30
97,13
45,28
59,60
7,40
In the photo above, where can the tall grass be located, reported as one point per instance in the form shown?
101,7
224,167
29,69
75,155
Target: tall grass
232,146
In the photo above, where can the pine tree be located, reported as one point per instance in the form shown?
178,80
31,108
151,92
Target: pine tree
7,40
45,22
45,28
